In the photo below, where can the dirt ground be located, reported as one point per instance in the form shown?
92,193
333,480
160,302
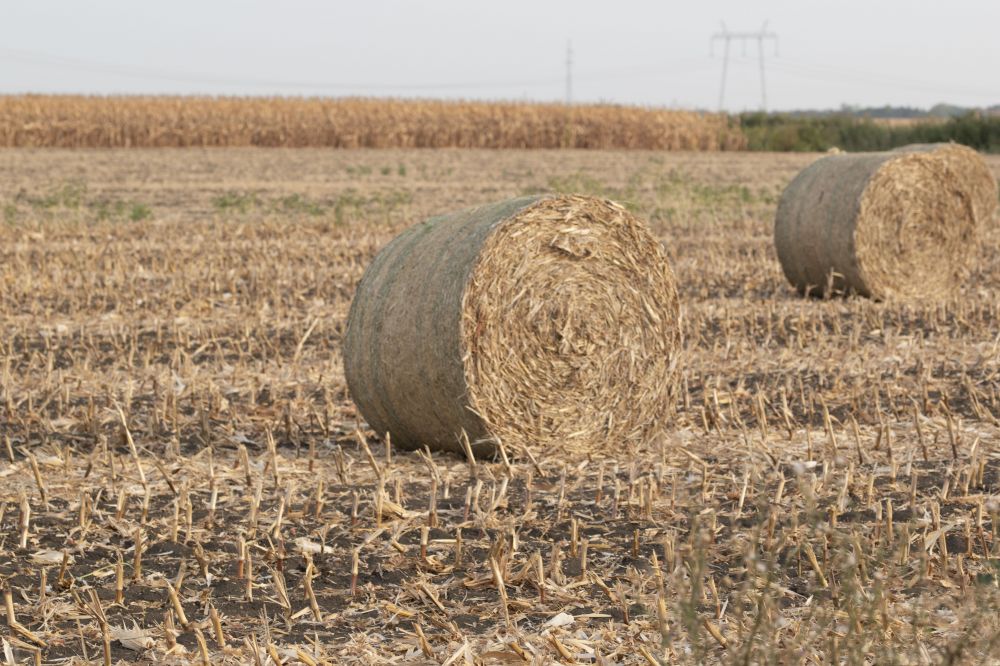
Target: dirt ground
183,477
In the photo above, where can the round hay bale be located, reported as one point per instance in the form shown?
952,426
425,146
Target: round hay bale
883,225
544,320
971,170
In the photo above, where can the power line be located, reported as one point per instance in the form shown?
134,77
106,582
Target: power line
824,72
153,74
813,71
760,36
189,77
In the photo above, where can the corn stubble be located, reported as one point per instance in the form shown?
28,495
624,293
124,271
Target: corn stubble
183,479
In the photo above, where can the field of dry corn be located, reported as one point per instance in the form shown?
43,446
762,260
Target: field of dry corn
67,121
183,478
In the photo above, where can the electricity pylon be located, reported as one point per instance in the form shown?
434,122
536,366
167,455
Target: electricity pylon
727,37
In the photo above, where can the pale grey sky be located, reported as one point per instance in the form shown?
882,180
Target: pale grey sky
872,52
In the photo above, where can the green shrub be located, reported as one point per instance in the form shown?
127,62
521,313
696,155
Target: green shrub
782,132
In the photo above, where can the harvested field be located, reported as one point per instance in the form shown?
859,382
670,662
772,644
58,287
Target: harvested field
184,480
69,121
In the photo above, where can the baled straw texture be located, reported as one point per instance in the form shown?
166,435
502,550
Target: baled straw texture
883,225
539,320
971,170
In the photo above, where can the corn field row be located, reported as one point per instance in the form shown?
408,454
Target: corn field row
36,121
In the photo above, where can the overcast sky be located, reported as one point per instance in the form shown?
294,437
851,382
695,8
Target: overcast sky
872,52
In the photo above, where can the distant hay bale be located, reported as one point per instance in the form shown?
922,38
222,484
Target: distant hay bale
542,320
971,170
883,225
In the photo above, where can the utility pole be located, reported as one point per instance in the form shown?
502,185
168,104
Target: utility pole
569,72
728,36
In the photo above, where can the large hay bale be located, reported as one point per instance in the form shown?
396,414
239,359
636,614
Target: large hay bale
971,170
542,320
884,225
